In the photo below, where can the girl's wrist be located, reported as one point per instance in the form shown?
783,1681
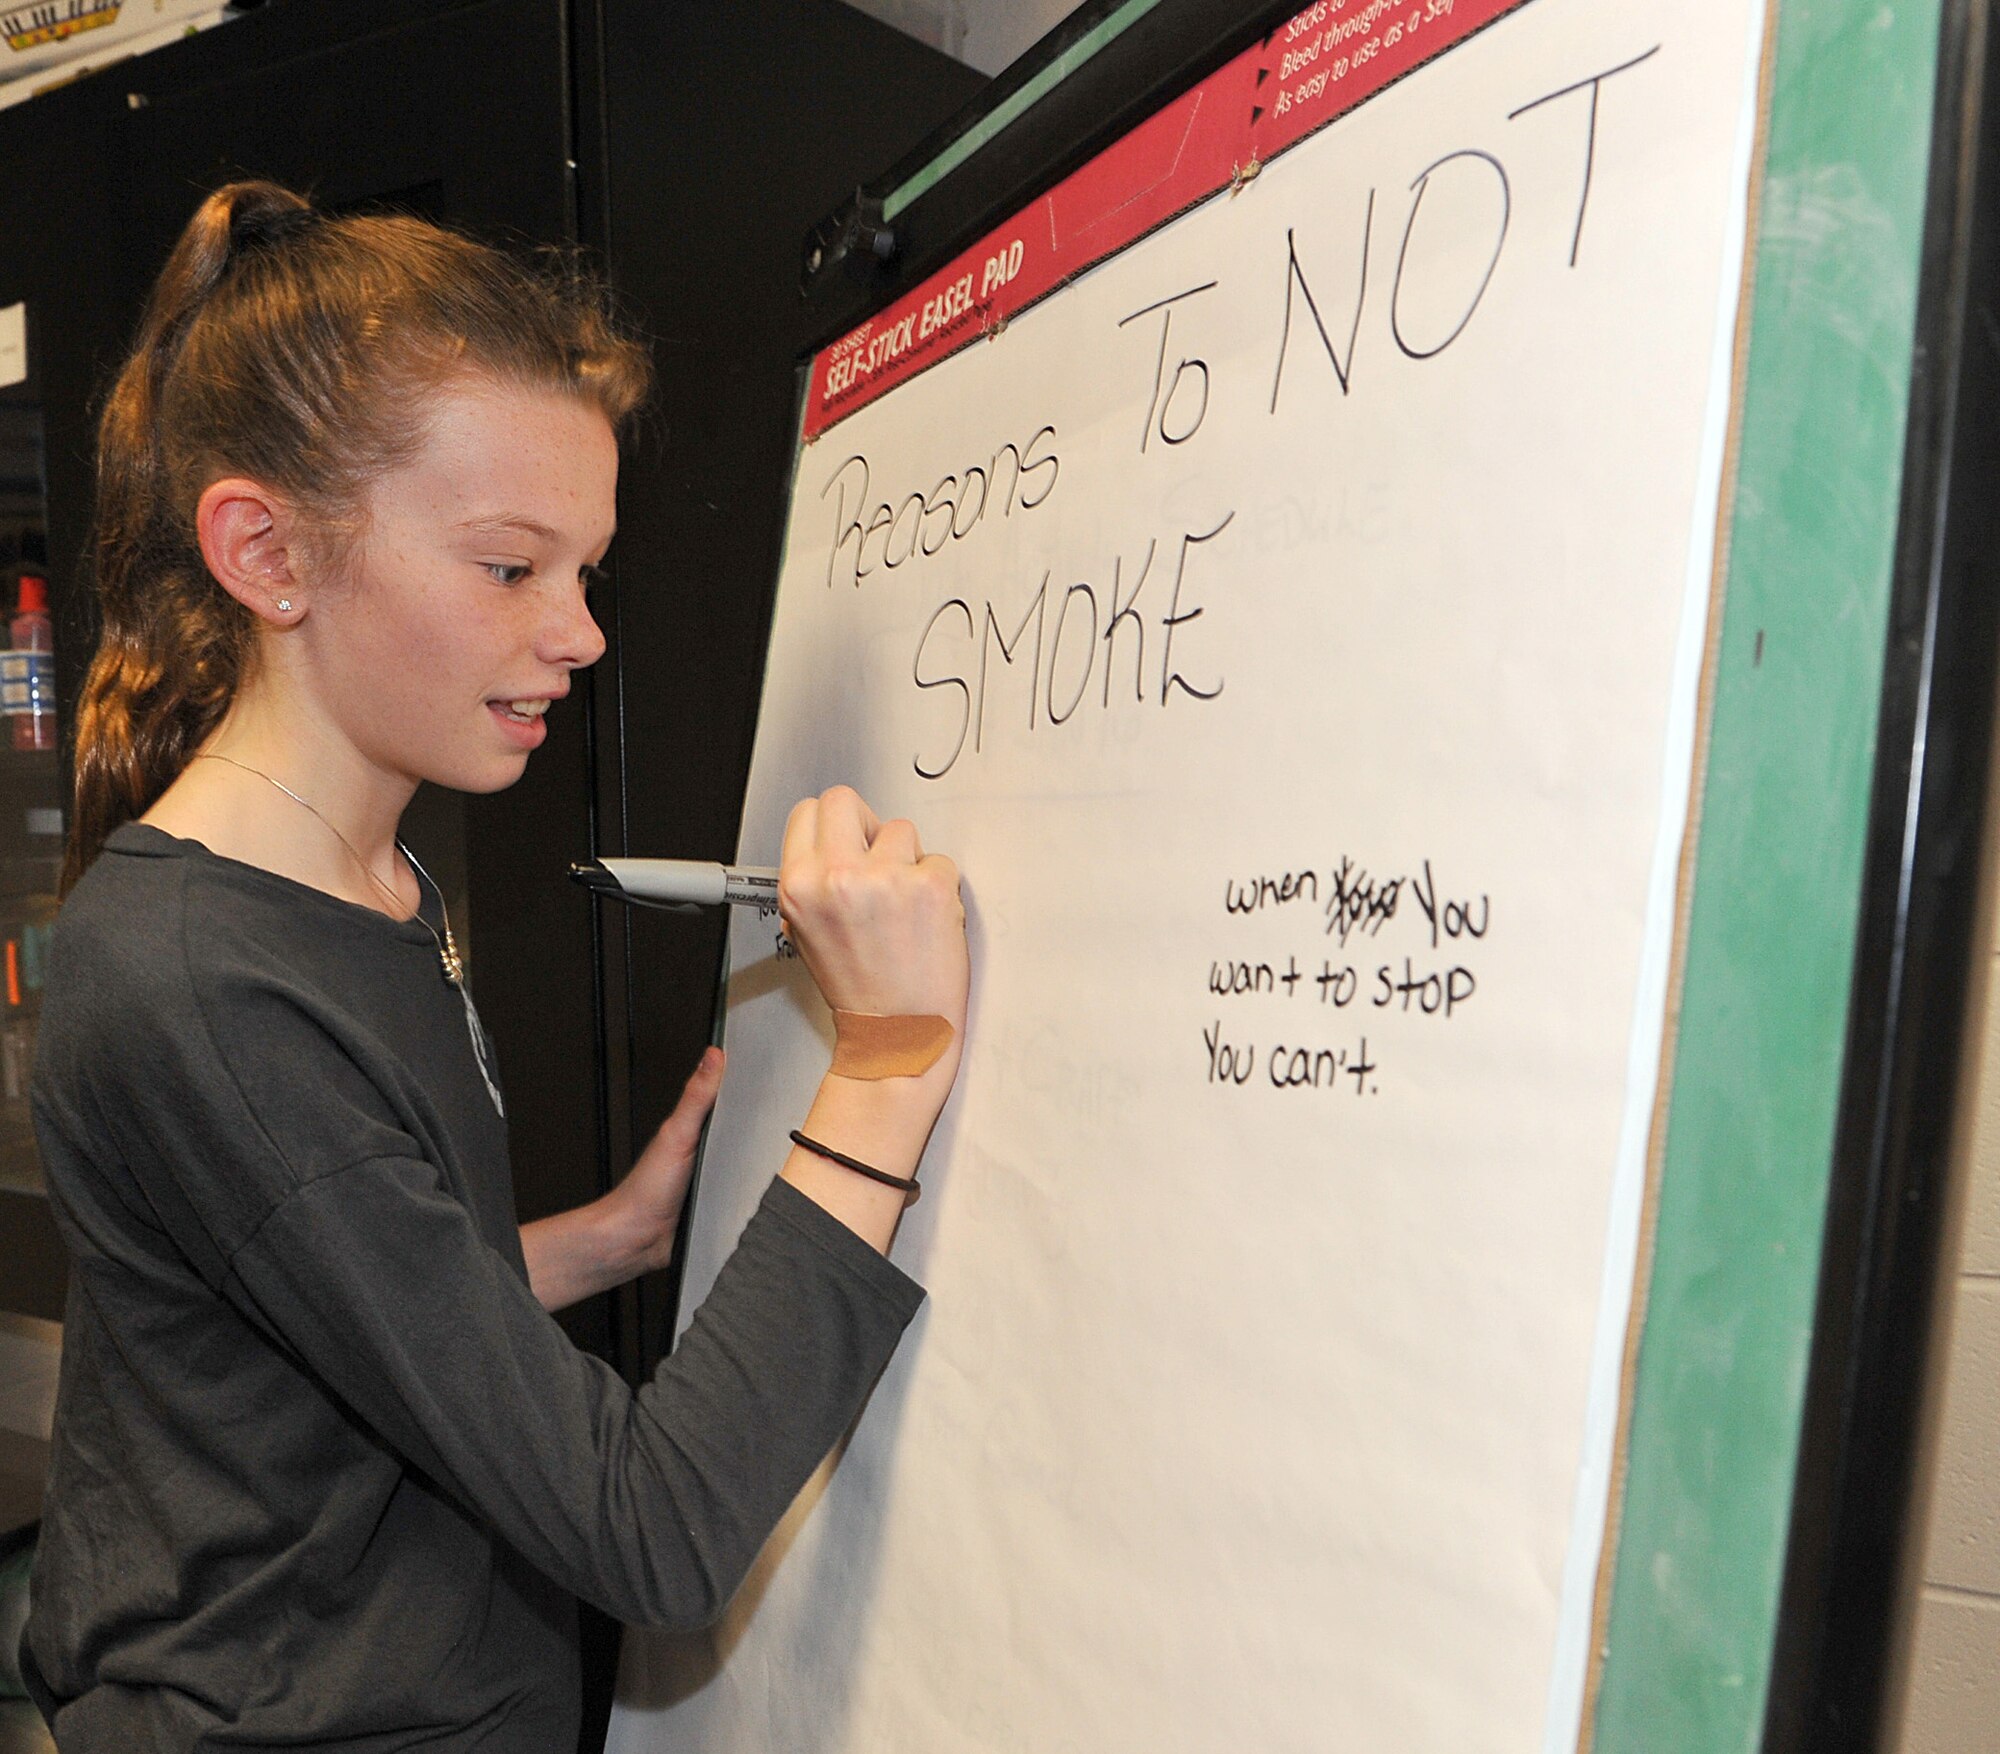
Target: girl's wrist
885,1122
592,1248
894,1116
631,1238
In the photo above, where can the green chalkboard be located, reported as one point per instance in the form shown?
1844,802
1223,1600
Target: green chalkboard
1770,944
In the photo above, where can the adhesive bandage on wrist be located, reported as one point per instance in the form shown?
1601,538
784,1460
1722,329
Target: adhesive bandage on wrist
870,1047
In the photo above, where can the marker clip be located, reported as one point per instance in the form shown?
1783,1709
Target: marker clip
600,882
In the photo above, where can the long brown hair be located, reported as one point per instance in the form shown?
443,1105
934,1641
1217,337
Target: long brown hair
295,348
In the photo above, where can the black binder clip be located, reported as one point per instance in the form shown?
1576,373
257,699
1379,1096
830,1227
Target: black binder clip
855,233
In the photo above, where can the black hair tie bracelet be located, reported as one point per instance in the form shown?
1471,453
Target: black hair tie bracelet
910,1189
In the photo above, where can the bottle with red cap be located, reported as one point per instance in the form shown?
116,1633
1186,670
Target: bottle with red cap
27,672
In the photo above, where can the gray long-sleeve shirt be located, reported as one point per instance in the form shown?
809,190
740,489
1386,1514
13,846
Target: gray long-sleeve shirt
325,1473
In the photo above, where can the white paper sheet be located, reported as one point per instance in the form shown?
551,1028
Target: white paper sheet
1246,1416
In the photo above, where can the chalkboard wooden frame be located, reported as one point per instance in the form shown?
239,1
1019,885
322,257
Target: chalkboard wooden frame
1827,895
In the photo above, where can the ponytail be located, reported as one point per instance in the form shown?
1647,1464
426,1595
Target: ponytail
294,348
172,642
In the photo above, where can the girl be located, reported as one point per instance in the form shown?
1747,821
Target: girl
326,1474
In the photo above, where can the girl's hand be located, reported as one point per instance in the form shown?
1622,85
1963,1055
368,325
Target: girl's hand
648,1201
876,920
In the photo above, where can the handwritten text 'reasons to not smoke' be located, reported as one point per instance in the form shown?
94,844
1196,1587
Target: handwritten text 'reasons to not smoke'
1339,296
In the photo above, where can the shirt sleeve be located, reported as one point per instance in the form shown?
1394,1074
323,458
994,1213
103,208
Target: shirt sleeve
650,1505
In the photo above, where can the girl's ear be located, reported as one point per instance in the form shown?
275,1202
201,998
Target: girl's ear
249,537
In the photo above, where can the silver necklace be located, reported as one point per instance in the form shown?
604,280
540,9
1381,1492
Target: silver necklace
447,946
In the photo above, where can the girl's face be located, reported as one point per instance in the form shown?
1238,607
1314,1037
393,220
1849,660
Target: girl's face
463,613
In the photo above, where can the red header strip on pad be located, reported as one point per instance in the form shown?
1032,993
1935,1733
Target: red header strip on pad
1331,57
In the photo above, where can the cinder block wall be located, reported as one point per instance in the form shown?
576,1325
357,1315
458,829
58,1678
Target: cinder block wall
1951,1667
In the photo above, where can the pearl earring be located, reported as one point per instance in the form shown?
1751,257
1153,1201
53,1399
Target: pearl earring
285,605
